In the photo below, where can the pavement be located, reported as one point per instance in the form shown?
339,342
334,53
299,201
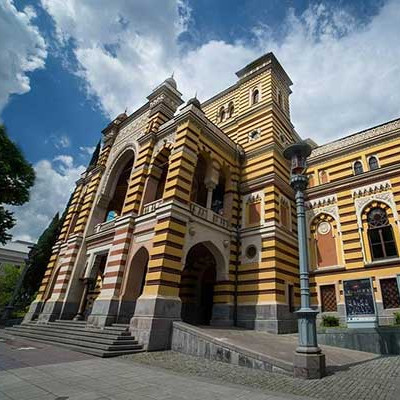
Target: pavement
33,370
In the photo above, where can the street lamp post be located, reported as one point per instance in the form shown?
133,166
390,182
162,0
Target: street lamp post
309,362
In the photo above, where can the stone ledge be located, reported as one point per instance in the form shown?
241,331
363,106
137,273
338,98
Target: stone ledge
190,340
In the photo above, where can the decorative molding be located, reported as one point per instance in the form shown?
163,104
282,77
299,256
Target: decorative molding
322,201
354,139
374,188
379,191
323,205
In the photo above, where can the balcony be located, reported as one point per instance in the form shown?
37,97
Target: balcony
208,215
104,226
151,207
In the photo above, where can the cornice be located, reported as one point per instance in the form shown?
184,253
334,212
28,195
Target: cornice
356,141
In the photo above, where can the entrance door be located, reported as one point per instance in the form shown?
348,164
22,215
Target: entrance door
197,286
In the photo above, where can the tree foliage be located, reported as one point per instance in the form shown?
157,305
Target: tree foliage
95,156
38,259
16,178
8,279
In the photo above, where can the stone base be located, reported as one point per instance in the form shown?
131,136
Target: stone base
104,313
309,365
51,311
126,311
33,312
222,315
152,323
273,318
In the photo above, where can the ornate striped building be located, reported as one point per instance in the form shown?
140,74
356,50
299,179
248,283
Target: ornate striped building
188,214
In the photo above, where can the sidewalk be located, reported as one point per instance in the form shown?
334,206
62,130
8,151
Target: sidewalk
25,374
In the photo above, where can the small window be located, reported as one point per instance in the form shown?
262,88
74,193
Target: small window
390,293
279,96
373,163
255,96
358,168
254,213
285,213
251,251
221,114
311,182
231,110
323,177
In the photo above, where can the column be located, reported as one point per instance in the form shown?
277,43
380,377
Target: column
105,307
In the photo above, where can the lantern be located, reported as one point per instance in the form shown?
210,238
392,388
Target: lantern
297,154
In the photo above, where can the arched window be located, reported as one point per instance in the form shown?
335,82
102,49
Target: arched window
323,177
284,211
279,97
255,97
221,114
380,234
117,201
373,163
231,110
199,191
358,168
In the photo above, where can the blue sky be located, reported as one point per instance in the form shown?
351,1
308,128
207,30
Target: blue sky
69,66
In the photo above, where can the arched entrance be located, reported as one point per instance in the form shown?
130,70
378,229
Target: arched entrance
133,285
136,275
197,285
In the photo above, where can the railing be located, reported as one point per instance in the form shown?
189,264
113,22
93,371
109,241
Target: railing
150,207
208,215
104,226
198,211
219,220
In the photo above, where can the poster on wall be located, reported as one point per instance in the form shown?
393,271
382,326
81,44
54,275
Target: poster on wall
359,299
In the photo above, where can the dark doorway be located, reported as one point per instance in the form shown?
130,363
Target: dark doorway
197,286
97,275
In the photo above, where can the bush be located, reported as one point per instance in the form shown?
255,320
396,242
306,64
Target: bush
397,318
330,320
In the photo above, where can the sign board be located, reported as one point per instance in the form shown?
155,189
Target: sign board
359,300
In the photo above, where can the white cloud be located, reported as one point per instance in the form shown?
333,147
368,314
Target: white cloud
53,186
59,141
87,150
23,50
345,73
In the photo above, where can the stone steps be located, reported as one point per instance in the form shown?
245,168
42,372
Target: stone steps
111,342
84,336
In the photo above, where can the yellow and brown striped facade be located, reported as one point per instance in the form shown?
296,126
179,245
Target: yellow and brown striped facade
208,191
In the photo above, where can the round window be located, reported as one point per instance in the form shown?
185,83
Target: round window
251,251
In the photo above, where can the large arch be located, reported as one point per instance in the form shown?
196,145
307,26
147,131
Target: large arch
157,176
198,279
110,183
134,279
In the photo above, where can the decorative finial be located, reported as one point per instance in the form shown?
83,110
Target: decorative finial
195,94
173,72
126,109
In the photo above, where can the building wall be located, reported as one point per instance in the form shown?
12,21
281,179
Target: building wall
254,242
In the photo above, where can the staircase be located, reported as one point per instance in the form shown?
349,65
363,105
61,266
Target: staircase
111,341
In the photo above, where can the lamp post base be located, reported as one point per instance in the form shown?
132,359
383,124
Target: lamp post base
309,365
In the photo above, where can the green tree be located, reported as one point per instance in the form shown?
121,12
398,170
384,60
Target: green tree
16,178
8,279
38,259
95,156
